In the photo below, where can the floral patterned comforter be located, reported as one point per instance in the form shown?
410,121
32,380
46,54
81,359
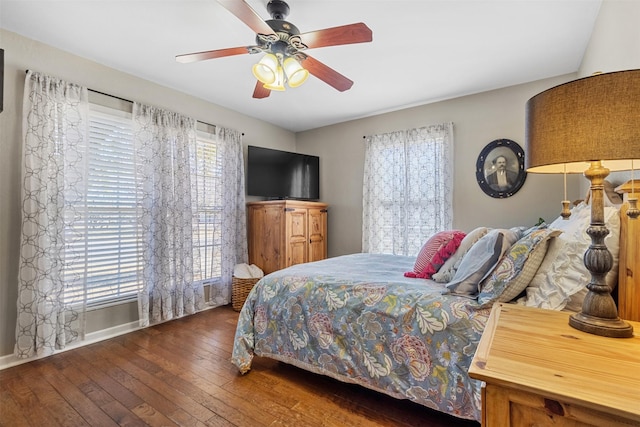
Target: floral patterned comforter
356,318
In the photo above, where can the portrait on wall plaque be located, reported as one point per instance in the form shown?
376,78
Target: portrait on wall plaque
500,168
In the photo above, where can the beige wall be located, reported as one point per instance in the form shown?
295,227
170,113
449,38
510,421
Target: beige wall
614,46
478,120
22,54
615,41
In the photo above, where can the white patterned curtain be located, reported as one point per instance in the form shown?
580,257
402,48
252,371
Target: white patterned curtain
55,116
164,146
234,221
407,191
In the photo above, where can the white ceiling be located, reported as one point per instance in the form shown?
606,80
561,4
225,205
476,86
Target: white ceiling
422,51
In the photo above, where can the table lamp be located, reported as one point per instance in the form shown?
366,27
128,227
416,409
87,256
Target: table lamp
591,126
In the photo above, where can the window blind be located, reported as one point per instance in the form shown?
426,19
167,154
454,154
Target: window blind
102,244
103,247
207,205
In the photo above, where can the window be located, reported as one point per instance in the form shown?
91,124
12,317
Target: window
408,182
206,177
102,260
102,244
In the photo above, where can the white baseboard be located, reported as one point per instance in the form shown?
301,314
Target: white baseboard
90,338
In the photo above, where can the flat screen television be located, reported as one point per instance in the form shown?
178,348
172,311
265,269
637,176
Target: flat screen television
277,174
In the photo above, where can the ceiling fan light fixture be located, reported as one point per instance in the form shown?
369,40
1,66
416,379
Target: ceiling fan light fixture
296,75
278,83
266,69
279,40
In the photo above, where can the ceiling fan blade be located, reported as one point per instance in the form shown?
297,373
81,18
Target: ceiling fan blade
211,54
327,74
345,34
260,91
246,14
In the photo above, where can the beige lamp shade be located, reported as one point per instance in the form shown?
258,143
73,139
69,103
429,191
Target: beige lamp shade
596,118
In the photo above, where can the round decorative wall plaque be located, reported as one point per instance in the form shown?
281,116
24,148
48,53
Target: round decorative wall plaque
500,168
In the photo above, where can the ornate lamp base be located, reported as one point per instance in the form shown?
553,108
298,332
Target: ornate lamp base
599,314
614,328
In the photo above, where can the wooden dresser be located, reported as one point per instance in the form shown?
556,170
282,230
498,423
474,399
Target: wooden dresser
540,371
286,232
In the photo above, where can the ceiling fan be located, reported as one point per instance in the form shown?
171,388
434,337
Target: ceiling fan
283,45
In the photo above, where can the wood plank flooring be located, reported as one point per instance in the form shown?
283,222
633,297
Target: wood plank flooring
179,374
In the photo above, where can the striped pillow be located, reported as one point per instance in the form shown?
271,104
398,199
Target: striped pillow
435,252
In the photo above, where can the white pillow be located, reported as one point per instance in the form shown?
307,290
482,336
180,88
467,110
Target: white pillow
562,273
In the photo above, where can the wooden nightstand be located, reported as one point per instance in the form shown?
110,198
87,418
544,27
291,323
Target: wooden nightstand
540,371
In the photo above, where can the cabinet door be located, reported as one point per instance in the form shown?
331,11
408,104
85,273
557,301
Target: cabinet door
266,231
296,236
317,234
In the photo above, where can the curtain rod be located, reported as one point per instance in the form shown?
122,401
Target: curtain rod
130,101
109,95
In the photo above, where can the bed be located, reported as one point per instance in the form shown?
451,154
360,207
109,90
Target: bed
359,319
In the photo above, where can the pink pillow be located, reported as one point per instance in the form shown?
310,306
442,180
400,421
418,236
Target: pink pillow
435,252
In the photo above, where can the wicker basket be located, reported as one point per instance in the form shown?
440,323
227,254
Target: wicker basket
240,289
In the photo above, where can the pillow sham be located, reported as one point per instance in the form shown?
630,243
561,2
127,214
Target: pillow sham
516,270
435,252
562,273
448,270
480,261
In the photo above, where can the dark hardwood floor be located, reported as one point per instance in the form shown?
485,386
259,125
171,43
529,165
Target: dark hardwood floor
179,373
